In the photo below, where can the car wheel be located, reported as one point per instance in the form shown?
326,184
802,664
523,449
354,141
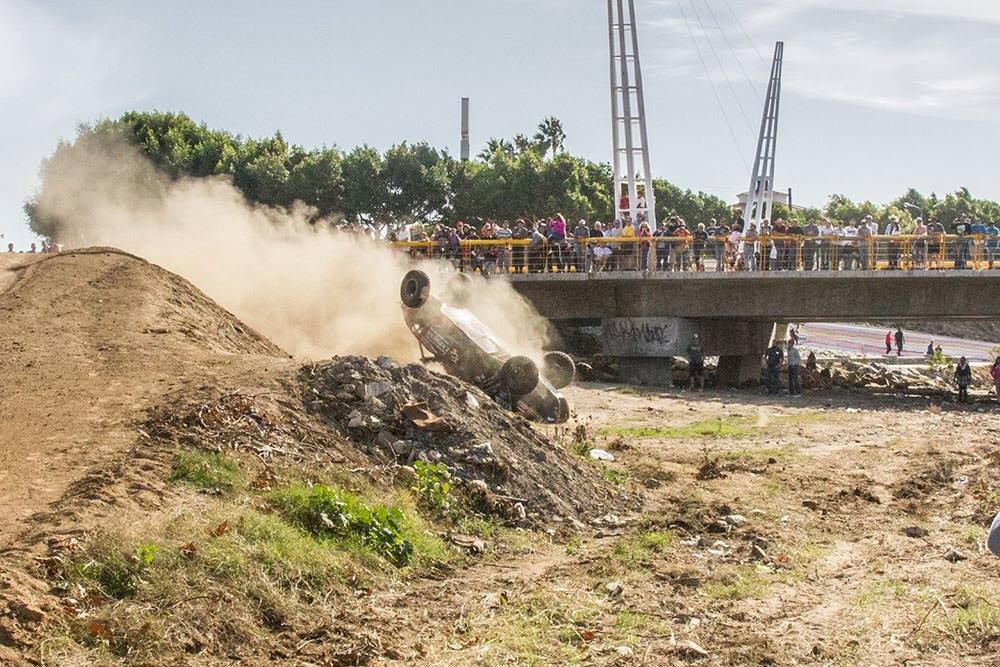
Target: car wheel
519,375
415,289
559,369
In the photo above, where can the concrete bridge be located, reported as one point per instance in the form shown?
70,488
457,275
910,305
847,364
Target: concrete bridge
647,318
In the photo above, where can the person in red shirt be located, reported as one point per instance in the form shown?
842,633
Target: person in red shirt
888,342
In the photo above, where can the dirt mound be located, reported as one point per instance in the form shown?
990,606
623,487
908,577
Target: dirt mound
90,340
404,413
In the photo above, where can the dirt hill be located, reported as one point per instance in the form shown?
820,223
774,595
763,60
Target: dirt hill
125,388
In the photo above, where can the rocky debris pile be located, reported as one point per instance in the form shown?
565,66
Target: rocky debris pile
503,466
849,373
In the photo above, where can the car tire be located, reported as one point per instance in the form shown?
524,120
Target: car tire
559,369
415,289
519,375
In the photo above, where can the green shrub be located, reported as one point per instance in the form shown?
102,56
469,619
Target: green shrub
433,485
112,568
326,512
206,470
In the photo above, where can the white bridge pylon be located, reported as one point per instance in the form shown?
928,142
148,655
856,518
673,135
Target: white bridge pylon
760,195
633,195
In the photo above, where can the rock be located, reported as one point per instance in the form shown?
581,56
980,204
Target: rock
624,651
734,519
471,401
953,555
614,588
386,363
386,439
689,649
355,420
401,448
915,531
601,455
377,389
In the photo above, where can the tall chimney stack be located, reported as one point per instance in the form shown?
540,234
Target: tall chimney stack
465,129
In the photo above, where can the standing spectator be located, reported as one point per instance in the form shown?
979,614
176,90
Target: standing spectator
519,252
504,233
809,245
765,245
888,342
696,364
781,245
536,249
581,237
700,237
899,342
773,358
892,229
849,246
866,247
794,362
557,236
628,246
920,244
827,232
794,247
601,250
749,241
978,231
935,244
10,247
645,240
992,242
488,254
713,232
719,241
930,350
995,374
34,248
733,247
963,377
961,243
683,245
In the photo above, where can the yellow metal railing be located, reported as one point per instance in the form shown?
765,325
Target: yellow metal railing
685,253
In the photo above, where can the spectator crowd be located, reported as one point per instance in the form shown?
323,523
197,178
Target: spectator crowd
556,245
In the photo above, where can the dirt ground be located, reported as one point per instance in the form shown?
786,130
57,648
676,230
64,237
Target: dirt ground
775,533
842,528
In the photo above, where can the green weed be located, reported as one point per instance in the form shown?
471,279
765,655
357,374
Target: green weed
206,470
433,485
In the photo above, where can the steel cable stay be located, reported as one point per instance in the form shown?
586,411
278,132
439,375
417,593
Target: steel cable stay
711,82
733,51
739,24
722,68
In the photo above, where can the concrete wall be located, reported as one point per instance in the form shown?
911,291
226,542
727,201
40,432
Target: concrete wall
766,297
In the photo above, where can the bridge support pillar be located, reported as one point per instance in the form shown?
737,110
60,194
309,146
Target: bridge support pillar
738,370
645,347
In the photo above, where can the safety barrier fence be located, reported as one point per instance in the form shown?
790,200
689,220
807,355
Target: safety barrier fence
685,253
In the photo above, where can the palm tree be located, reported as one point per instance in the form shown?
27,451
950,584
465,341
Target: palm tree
494,146
550,135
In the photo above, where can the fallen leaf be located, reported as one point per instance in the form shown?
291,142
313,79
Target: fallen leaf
220,530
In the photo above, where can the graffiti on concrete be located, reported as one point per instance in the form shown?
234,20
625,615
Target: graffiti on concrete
645,336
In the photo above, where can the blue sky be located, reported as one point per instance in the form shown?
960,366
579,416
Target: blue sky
878,96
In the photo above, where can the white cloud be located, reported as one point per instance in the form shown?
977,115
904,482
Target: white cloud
912,56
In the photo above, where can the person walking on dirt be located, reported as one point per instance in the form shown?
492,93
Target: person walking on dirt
888,342
930,350
794,363
773,357
899,342
995,374
696,364
963,377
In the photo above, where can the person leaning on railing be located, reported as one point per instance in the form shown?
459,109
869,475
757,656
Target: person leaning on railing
581,237
809,245
918,245
992,243
749,241
601,250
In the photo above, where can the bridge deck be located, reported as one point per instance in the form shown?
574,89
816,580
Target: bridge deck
775,295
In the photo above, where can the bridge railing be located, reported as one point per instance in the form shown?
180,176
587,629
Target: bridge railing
686,253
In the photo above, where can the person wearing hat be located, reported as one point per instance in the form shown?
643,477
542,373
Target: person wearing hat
700,242
892,228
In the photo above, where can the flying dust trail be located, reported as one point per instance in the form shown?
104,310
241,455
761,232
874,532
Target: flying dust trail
313,291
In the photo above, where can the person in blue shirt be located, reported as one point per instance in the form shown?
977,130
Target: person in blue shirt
978,231
992,242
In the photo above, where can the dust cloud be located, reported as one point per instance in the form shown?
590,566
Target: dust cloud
314,291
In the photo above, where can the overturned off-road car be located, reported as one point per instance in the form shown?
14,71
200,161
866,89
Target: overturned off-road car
468,349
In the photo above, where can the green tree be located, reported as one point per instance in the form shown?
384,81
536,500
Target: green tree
550,136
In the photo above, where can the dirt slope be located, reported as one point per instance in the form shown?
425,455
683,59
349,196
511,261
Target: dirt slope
89,341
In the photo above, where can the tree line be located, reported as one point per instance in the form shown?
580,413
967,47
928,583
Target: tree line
522,177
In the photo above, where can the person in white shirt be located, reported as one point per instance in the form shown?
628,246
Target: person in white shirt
849,246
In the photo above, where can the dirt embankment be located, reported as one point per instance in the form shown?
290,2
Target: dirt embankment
118,372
